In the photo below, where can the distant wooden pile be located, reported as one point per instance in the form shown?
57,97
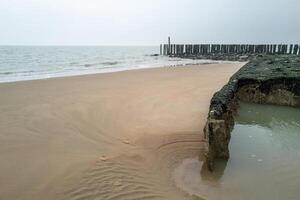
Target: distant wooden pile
204,49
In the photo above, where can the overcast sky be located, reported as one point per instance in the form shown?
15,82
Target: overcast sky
148,22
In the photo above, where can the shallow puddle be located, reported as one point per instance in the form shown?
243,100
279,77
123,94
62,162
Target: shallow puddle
264,162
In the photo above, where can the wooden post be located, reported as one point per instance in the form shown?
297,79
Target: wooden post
279,49
201,49
166,49
185,49
194,49
291,49
169,45
174,47
197,49
239,49
271,48
274,48
160,49
296,49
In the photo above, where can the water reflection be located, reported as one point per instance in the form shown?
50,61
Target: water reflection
267,115
264,161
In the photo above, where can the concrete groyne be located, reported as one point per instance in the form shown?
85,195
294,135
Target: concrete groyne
266,79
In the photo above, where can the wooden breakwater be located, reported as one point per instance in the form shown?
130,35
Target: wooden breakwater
206,49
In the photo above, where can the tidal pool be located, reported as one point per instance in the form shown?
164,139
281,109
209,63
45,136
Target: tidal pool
264,159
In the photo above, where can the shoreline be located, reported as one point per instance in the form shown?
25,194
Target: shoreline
109,70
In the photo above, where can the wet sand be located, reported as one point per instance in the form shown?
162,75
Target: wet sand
104,136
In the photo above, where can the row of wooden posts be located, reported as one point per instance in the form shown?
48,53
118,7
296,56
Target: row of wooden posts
204,49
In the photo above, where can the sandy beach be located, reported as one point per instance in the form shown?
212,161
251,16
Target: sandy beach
104,136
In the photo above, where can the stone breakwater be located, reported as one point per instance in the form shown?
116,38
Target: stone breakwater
266,79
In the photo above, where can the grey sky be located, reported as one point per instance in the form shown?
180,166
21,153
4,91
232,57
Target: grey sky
139,22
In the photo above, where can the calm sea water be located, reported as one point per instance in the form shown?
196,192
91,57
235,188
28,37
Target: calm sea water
38,62
264,162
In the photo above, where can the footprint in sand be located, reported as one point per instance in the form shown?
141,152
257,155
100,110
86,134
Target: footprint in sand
126,141
103,158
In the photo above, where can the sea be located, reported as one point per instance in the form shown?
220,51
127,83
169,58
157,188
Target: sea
19,63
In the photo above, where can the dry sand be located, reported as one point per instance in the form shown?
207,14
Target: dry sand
105,136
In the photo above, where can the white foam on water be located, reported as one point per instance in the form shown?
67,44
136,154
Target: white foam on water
19,63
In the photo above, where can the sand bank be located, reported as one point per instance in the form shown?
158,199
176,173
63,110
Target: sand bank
105,136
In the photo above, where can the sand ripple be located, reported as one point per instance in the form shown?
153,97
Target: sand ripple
106,136
146,175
